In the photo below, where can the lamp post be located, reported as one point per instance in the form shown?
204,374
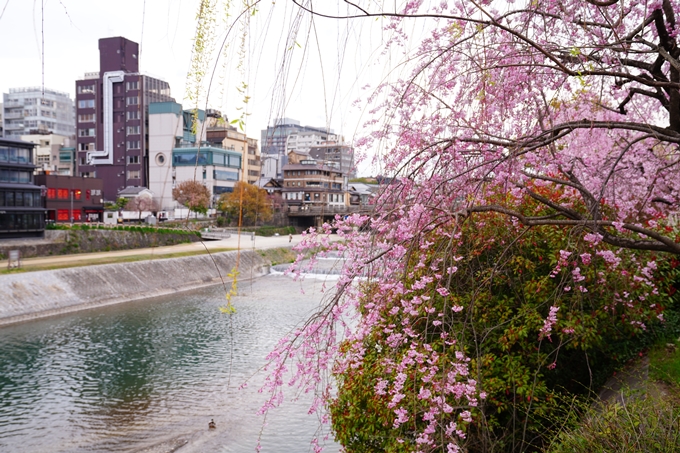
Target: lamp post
71,211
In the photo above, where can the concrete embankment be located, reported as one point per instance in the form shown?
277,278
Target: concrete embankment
40,294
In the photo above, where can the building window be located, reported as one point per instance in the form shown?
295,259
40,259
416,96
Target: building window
77,193
62,194
225,175
85,89
133,144
133,115
62,215
86,104
76,215
86,132
15,155
133,174
132,100
132,85
85,147
132,130
51,194
133,159
15,176
86,118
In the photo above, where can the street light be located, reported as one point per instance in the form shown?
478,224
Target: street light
71,201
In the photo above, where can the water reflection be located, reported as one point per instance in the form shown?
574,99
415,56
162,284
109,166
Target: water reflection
130,377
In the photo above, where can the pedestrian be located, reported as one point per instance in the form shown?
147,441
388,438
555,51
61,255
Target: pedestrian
290,238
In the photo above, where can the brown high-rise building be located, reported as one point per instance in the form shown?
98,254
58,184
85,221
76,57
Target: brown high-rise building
111,111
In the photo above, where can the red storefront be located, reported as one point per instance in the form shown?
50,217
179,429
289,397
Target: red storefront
72,198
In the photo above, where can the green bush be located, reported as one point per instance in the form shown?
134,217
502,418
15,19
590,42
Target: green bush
272,230
130,228
504,287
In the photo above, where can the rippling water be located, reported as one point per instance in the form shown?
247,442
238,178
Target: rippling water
148,376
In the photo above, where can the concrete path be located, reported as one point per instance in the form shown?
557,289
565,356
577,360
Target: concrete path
244,242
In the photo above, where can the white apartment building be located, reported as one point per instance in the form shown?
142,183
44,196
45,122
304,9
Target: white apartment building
30,110
302,141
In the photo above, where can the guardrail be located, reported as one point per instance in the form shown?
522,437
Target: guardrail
311,210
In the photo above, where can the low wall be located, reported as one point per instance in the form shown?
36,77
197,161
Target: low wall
34,295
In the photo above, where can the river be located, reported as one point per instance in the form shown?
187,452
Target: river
148,376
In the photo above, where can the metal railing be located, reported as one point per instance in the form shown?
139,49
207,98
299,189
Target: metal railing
323,210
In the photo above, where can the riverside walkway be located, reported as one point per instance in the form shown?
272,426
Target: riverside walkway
243,242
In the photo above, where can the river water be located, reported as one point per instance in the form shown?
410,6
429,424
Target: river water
148,376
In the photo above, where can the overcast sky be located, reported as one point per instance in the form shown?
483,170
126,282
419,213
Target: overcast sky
165,29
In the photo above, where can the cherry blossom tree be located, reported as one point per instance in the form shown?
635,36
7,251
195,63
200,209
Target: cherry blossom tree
142,203
193,195
558,117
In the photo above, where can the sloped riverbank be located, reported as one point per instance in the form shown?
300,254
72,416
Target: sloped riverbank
28,296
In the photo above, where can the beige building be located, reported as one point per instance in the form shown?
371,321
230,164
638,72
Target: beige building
53,153
253,162
222,134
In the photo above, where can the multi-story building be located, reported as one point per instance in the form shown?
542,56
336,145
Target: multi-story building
302,142
335,155
32,110
273,143
222,134
252,162
53,153
22,212
176,155
311,184
112,113
72,198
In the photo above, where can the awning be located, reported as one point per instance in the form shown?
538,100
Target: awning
93,209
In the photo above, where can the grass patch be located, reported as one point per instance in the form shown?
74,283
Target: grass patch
275,256
640,424
278,256
664,363
268,231
83,260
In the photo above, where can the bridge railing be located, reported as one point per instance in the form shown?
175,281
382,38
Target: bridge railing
311,210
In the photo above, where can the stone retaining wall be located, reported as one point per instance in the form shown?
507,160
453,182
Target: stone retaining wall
33,295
